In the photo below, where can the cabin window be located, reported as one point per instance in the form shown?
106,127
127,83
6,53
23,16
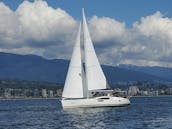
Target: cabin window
103,98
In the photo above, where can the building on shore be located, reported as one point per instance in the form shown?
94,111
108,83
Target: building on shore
7,93
133,90
44,93
50,94
59,92
36,93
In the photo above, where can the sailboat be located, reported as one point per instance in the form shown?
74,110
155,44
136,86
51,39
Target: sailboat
82,83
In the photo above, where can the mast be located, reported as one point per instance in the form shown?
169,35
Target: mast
95,78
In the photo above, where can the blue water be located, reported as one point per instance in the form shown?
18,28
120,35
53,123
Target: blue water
143,113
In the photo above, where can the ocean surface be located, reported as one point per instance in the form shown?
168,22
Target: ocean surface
143,113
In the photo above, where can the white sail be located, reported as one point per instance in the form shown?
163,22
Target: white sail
94,73
73,87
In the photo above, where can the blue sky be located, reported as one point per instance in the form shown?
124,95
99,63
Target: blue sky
135,32
127,11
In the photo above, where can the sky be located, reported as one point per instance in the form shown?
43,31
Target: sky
137,32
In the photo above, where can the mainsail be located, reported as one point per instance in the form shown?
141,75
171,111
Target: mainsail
73,87
94,73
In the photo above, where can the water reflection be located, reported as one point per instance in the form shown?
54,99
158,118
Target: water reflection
87,117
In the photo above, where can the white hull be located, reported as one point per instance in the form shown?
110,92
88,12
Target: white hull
103,101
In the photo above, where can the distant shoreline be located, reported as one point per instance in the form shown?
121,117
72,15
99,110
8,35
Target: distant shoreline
153,96
26,98
1,99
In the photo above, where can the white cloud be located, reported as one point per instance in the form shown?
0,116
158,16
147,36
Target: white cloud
105,29
37,28
146,63
8,26
157,31
41,22
155,26
150,40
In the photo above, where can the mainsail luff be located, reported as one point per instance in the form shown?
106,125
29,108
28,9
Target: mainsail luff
94,74
73,87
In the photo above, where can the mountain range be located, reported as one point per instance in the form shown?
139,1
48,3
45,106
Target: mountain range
36,68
